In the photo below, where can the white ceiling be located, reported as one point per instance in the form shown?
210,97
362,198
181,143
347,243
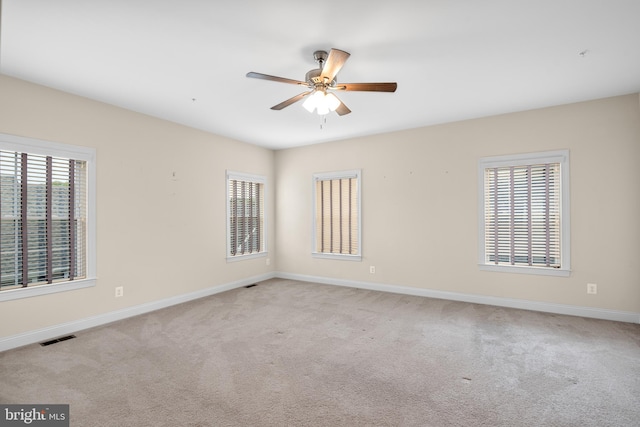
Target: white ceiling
186,60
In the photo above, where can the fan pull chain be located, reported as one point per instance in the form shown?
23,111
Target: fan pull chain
323,121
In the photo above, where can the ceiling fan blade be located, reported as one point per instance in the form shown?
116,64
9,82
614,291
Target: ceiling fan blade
368,87
290,101
342,109
334,63
274,78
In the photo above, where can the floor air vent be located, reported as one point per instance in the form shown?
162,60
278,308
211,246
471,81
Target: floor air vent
46,343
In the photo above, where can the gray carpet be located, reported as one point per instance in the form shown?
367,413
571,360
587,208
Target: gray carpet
287,353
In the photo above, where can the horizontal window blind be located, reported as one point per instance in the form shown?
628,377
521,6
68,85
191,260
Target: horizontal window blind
43,219
522,215
246,217
337,216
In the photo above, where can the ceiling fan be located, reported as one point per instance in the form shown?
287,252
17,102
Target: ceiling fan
321,82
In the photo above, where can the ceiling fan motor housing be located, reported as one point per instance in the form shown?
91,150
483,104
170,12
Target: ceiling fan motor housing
313,77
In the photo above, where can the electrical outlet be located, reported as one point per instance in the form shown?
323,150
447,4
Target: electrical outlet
268,261
372,269
119,291
592,288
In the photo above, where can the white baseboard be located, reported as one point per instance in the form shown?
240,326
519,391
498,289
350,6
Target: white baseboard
571,310
39,335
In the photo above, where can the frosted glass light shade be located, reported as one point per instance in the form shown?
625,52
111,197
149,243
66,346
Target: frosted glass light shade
323,109
311,102
332,101
322,102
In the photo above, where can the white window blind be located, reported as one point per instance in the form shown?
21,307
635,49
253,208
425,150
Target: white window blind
522,212
337,214
43,214
523,223
246,224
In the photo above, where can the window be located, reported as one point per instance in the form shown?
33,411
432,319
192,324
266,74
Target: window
47,227
524,224
337,215
245,216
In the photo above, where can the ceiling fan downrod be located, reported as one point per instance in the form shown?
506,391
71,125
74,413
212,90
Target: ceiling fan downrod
314,77
320,56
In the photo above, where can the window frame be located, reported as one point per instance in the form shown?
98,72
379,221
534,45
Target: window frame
259,179
56,149
326,176
557,156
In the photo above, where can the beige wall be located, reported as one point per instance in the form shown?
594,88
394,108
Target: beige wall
158,236
161,237
427,177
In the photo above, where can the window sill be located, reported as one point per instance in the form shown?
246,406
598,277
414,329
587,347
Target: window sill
342,257
247,256
37,290
541,271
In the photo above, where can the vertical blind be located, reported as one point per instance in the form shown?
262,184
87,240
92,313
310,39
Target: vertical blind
43,219
246,221
337,216
522,215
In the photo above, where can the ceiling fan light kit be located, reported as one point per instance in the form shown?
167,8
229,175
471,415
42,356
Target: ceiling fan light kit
322,82
322,102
